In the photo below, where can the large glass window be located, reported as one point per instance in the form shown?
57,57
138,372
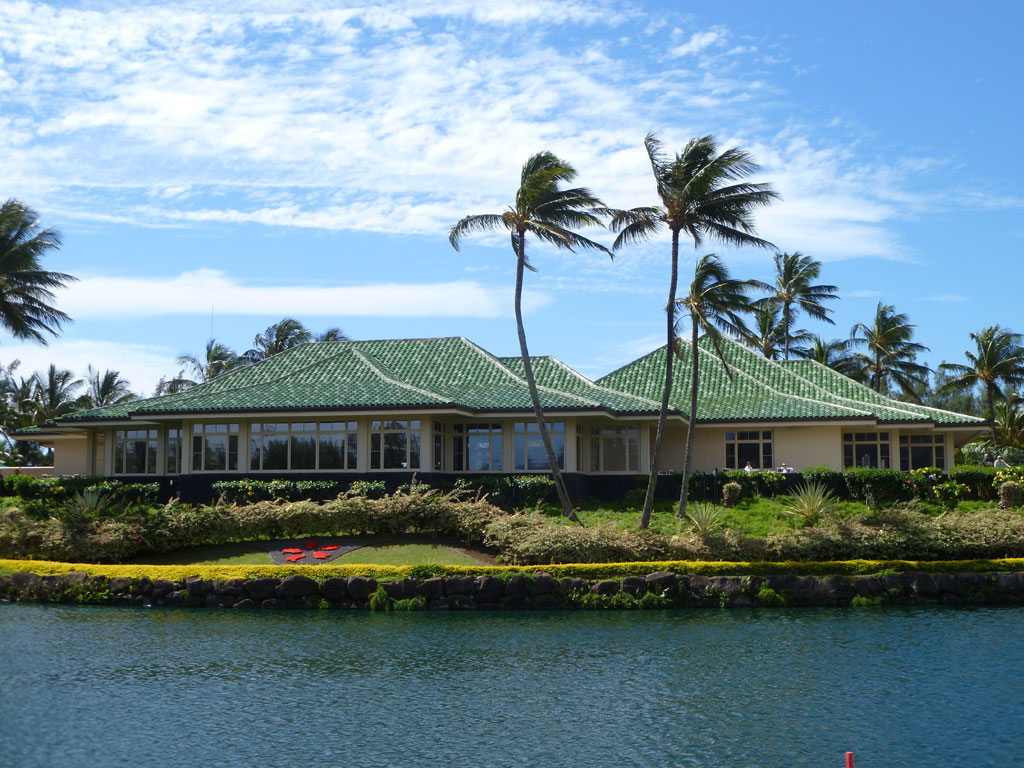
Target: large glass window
214,447
476,447
303,445
173,451
529,449
751,446
135,451
439,446
918,451
615,449
395,444
866,449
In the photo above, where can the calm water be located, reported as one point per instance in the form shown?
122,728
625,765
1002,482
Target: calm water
137,687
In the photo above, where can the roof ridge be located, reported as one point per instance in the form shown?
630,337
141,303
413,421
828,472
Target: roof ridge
594,384
512,375
370,364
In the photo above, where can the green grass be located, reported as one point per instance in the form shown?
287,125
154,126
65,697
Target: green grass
407,554
222,554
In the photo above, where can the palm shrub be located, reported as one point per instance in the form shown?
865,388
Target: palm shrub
809,504
704,518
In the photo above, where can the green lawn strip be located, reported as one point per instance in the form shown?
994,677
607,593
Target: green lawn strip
582,570
407,554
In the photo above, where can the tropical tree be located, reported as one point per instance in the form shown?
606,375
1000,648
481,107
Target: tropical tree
702,195
794,292
834,353
26,289
217,359
1009,421
713,305
765,332
889,353
107,388
278,337
57,393
998,358
331,334
551,213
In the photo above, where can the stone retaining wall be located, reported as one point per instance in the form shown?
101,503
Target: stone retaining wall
521,591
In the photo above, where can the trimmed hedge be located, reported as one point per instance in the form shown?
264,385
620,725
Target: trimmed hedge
54,491
248,491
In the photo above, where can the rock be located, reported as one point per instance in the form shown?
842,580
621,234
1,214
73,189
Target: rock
812,590
1010,585
162,588
297,586
635,585
142,586
543,584
459,585
606,587
924,586
118,585
361,587
23,582
177,597
261,589
233,587
197,586
518,587
948,598
431,589
546,602
840,588
76,577
334,589
662,581
489,590
402,589
867,586
949,584
246,604
895,585
272,604
462,602
782,584
572,586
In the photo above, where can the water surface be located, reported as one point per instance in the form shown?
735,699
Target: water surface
794,687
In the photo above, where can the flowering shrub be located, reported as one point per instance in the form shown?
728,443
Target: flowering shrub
949,494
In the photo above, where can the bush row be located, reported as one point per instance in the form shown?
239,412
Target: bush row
50,492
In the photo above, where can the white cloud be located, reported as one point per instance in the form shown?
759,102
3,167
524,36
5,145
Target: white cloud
698,42
191,293
947,297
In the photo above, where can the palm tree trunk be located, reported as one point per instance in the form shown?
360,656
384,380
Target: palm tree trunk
542,427
785,327
670,312
989,388
692,426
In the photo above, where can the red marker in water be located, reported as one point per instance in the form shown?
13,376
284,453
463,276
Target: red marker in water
849,760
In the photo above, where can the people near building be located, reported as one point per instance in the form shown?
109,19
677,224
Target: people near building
987,460
1000,462
785,468
749,468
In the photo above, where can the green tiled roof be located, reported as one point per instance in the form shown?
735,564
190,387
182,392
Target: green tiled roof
763,390
412,374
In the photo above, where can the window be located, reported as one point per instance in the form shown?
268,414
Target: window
303,445
173,451
135,452
917,451
476,447
866,449
748,446
214,447
529,449
615,449
395,444
439,446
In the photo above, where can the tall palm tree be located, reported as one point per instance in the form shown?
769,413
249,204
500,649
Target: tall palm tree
834,353
26,289
998,358
714,304
765,332
889,352
217,359
331,334
551,213
794,292
278,337
57,393
107,388
702,195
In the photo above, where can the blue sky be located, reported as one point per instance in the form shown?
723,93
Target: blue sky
220,169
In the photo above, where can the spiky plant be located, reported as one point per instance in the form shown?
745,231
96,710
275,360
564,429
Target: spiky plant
809,504
705,518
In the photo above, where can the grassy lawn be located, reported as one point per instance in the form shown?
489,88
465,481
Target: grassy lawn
408,554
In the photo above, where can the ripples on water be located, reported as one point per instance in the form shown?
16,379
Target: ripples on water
796,687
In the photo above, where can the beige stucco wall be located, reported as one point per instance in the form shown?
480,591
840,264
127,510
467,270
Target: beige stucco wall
69,456
801,447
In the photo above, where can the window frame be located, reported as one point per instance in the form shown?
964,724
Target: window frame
261,432
600,436
201,436
521,433
880,439
150,436
765,441
935,441
379,433
495,441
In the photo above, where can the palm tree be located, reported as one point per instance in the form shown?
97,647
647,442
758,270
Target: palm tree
794,292
1009,421
26,289
217,359
56,393
999,357
701,195
551,213
890,353
834,353
331,334
714,304
278,337
765,332
107,388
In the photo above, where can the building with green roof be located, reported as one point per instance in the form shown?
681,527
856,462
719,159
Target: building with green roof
446,406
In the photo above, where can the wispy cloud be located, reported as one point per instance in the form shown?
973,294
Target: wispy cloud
698,42
191,293
947,297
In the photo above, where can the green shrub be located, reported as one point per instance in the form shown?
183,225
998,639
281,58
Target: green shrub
809,504
860,601
1011,495
949,494
769,597
877,486
523,539
247,491
1008,475
380,600
731,494
368,489
978,480
923,480
824,475
653,600
762,482
532,490
704,518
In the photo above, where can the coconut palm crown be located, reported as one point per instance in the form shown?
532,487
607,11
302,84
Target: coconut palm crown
890,354
702,195
26,289
794,292
548,211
